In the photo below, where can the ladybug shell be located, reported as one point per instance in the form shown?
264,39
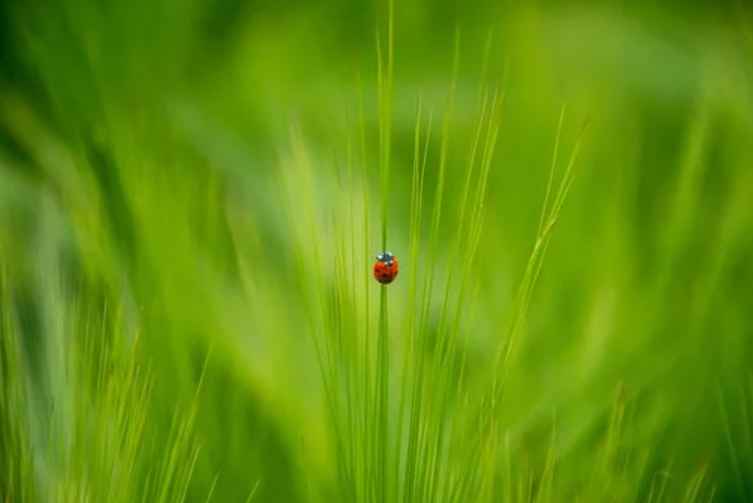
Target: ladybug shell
385,272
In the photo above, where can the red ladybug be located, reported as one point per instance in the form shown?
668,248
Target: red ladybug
385,268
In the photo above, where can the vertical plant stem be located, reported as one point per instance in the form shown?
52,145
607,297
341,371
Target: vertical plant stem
385,76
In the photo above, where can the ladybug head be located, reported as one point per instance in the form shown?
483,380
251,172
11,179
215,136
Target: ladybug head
385,257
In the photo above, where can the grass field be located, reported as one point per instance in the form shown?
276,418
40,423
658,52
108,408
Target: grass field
192,195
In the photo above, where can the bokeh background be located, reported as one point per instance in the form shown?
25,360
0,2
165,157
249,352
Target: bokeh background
149,194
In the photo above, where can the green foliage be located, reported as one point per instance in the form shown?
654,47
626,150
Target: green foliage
192,194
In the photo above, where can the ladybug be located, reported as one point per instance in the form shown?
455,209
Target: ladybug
385,268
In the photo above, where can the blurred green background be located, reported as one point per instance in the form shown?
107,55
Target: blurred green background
145,159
